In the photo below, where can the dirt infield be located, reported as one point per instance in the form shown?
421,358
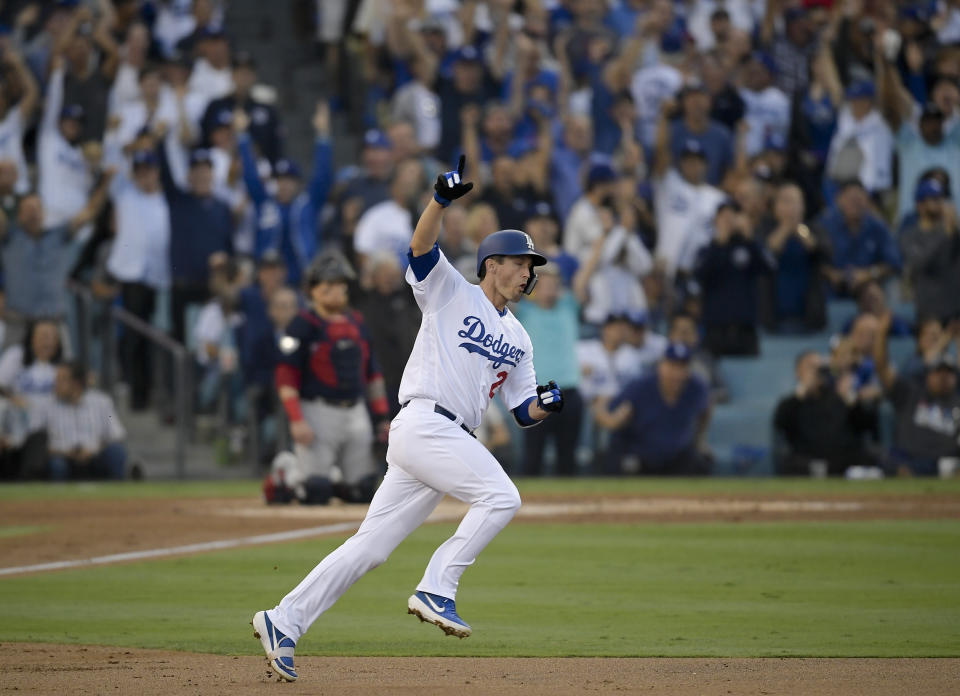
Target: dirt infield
59,669
55,530
51,531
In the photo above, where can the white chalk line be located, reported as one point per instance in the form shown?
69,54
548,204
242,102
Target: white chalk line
447,513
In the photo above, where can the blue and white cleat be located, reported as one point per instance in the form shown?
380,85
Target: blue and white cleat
439,611
278,647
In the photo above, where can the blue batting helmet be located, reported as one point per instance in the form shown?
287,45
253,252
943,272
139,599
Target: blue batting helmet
510,243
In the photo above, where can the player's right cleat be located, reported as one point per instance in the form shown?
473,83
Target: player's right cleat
440,611
278,647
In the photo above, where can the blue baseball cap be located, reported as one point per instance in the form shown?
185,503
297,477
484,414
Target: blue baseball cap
210,32
678,352
765,59
223,118
792,14
638,317
929,188
692,147
73,111
144,158
201,155
541,209
286,167
775,141
376,138
599,173
468,54
861,89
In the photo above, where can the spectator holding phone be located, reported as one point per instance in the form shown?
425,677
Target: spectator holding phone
822,420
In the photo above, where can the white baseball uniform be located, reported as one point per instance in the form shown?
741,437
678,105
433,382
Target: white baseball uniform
465,352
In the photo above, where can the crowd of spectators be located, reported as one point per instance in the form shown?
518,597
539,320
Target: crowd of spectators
698,172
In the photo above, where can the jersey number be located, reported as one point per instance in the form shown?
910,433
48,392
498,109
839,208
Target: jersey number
493,387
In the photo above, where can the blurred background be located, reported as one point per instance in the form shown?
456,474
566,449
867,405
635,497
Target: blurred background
749,208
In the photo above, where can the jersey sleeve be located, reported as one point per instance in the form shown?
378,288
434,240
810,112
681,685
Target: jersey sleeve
434,280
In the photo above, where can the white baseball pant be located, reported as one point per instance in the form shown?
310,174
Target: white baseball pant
429,456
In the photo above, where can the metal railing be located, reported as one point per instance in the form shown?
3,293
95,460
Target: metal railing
112,315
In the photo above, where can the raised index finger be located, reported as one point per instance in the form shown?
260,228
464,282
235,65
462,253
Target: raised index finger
460,165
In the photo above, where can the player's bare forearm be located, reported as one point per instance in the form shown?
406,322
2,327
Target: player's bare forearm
427,231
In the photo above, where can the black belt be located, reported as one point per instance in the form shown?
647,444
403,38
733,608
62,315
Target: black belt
340,403
437,408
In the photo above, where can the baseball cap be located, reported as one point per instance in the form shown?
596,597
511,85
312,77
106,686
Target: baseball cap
376,138
286,167
762,172
765,59
775,141
73,111
201,155
929,188
540,209
861,89
223,118
918,12
270,257
599,173
794,13
693,148
144,158
692,87
244,59
614,317
931,110
210,32
467,54
637,317
678,352
943,363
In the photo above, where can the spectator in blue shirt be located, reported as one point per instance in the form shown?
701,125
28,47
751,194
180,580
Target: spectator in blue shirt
861,247
570,157
695,124
37,259
660,419
797,296
287,221
201,233
551,317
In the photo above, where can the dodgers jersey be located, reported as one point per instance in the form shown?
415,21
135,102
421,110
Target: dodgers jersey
465,351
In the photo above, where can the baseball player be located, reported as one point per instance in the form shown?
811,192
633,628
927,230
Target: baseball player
469,348
325,372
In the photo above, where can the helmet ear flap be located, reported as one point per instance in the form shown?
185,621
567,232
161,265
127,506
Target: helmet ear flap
531,283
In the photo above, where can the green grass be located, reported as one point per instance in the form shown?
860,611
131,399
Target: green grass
13,530
530,486
765,589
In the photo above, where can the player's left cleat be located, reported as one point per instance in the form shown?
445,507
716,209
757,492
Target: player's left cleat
278,647
439,611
